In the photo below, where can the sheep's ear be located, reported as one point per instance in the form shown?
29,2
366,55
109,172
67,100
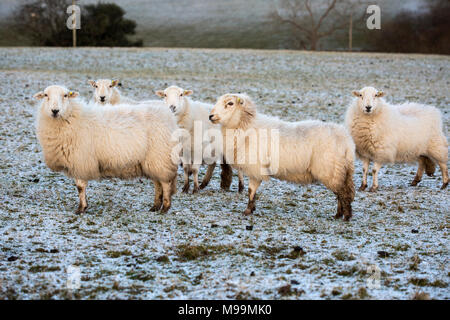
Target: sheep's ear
356,93
240,101
39,95
187,92
92,82
160,93
72,94
114,83
380,94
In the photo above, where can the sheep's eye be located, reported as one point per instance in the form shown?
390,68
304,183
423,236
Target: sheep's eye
110,86
65,96
45,95
165,95
230,104
95,86
181,94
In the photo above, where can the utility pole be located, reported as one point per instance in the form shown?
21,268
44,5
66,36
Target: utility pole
74,25
350,33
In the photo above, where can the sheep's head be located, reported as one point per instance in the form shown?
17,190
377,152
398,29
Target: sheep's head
368,99
104,90
56,101
174,97
233,110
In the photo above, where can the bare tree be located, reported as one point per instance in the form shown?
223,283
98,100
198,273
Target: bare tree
314,20
42,20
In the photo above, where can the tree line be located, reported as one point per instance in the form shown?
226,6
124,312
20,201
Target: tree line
310,24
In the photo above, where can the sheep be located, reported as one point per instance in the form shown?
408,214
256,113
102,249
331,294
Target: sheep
89,143
187,113
299,152
406,133
106,92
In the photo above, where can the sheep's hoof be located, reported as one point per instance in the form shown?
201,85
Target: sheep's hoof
165,209
195,190
347,218
241,188
415,183
155,208
203,186
444,185
373,189
185,188
80,210
338,215
248,212
363,187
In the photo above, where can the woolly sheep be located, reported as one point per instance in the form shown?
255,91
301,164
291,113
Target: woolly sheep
187,113
106,92
307,151
385,133
89,143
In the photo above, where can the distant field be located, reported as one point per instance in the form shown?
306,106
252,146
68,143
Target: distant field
202,249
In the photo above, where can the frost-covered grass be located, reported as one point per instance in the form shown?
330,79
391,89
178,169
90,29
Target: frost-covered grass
202,248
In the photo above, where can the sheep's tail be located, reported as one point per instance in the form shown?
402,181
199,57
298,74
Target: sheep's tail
430,166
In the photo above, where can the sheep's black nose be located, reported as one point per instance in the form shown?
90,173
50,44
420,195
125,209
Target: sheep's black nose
211,116
55,112
368,108
172,107
102,98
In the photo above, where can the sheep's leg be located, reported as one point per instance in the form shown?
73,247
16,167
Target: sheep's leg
340,209
195,169
252,187
375,170
167,196
208,175
444,170
419,173
187,171
226,176
158,196
81,187
366,163
241,181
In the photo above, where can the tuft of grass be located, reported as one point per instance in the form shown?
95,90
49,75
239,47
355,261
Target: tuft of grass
343,256
419,295
270,250
36,269
140,275
163,259
117,254
362,293
192,252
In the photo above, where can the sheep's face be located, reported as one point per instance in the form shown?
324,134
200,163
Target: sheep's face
228,109
55,102
368,99
104,90
174,97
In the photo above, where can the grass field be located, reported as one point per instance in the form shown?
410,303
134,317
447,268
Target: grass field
202,249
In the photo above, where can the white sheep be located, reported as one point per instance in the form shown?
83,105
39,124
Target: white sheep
187,113
385,133
106,92
299,152
89,143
